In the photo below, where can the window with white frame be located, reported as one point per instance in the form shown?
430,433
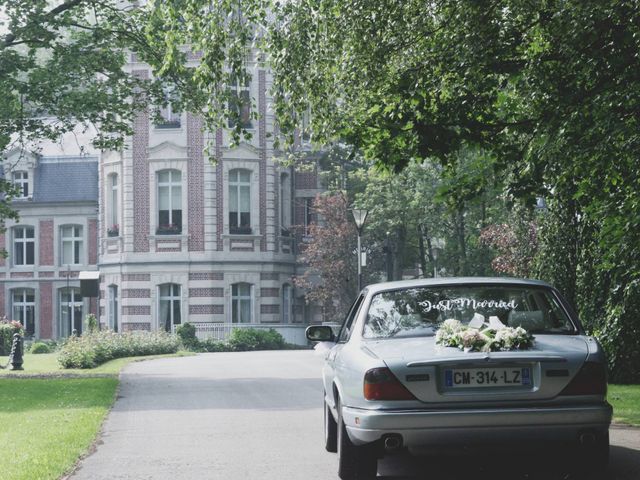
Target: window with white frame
169,306
285,204
240,201
113,226
169,202
113,307
23,246
23,309
21,181
71,244
286,303
241,303
240,103
71,311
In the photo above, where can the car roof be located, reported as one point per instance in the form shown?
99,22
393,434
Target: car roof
442,281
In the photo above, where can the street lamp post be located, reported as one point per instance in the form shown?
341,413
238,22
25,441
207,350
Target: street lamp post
437,244
359,216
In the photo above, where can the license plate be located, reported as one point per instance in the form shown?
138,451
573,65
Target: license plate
487,377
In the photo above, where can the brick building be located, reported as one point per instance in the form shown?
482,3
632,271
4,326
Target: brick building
175,237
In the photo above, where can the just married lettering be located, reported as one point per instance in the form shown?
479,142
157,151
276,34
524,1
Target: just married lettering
455,303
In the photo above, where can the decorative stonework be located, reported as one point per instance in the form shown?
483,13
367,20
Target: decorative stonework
136,310
133,326
136,293
270,292
206,292
21,274
269,309
136,277
270,276
206,309
46,274
206,276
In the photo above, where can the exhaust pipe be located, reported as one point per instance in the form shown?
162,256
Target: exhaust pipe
587,439
392,442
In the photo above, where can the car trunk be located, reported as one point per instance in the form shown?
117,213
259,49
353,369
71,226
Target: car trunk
437,374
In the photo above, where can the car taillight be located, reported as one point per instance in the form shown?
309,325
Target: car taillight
381,384
590,380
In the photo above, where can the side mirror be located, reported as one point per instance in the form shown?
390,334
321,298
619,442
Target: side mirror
320,333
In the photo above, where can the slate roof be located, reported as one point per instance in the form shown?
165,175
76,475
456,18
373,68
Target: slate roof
71,179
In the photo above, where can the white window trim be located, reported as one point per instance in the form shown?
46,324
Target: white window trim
252,300
72,239
24,304
252,166
24,240
170,297
155,168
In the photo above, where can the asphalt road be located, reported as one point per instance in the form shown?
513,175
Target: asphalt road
246,416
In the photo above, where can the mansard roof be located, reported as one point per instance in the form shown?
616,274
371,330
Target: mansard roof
66,179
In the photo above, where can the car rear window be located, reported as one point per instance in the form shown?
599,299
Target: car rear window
420,311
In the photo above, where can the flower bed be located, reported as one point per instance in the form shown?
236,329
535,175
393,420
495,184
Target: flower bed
453,333
95,348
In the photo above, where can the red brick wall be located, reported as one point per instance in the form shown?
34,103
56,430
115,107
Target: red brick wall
195,180
262,140
141,176
93,241
2,300
46,310
306,180
3,246
219,191
45,242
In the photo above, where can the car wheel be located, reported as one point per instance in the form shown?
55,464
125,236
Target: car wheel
355,462
330,430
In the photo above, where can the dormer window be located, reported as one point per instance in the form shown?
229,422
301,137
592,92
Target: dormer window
21,181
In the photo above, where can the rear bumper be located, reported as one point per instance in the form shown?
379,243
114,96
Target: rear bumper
424,428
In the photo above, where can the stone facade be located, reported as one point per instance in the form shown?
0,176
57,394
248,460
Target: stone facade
156,274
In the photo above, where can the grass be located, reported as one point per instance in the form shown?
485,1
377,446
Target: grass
47,364
626,403
48,424
49,420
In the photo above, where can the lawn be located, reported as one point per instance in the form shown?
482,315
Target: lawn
626,403
47,364
48,423
50,420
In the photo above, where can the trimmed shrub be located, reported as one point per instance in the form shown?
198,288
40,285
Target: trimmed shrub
187,334
93,349
39,347
7,329
213,345
246,339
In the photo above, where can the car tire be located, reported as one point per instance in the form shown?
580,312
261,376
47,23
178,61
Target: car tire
330,430
355,462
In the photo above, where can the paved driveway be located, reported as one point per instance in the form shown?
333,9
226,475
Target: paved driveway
246,416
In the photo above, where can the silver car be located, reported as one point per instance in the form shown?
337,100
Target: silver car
392,382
